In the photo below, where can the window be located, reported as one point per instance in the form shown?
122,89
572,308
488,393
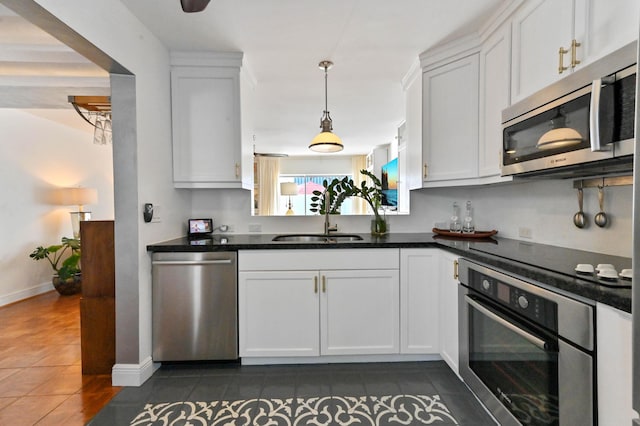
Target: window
301,202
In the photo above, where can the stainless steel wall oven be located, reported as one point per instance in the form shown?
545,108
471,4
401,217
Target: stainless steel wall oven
527,353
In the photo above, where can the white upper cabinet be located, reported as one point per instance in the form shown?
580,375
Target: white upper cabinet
412,141
602,26
551,38
540,29
206,121
450,120
495,66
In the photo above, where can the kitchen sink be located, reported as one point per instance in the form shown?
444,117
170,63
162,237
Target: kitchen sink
317,238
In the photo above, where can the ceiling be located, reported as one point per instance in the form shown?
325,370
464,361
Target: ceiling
373,43
39,72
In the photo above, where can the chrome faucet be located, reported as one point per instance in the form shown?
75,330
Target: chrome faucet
328,227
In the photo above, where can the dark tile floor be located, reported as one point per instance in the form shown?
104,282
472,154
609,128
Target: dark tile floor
231,382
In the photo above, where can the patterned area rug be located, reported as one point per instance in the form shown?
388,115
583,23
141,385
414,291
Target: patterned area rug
317,411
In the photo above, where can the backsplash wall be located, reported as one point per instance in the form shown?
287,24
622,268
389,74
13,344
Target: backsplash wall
545,207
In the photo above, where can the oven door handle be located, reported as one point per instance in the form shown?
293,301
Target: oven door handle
497,318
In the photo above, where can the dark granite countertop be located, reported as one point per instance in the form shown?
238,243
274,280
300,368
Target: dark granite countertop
550,266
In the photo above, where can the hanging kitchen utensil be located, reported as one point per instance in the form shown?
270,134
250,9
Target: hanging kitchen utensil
579,219
601,217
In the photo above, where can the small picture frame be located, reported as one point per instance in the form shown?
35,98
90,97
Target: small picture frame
199,227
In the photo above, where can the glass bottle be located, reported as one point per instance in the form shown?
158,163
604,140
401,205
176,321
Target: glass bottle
454,223
467,224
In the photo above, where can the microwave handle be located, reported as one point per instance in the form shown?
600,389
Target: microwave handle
594,115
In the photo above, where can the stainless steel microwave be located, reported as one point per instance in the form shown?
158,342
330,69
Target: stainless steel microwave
582,125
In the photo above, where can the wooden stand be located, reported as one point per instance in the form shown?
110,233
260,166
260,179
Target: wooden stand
97,304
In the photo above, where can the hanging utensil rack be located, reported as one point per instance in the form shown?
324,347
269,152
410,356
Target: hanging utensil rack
603,182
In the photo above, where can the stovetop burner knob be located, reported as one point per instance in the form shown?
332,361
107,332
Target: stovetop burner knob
523,302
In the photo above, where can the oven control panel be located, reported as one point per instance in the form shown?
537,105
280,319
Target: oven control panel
533,307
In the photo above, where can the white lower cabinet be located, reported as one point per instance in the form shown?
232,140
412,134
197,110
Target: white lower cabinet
359,312
449,309
310,303
318,302
278,313
419,302
614,366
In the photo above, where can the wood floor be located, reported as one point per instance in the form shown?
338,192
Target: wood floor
41,379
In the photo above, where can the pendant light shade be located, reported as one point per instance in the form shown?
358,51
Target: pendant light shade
560,135
326,141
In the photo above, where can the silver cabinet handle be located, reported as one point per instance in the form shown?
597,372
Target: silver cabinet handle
527,336
315,284
192,262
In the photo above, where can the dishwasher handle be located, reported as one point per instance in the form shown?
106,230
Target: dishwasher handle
193,262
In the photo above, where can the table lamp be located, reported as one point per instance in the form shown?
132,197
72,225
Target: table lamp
289,188
79,197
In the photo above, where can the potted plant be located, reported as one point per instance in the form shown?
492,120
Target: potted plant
67,277
340,189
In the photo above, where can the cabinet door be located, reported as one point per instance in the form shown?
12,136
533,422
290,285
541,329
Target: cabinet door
603,26
419,301
450,120
495,85
413,134
540,28
449,309
206,127
614,366
278,313
359,312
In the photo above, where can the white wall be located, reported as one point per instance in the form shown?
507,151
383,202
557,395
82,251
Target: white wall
546,207
113,29
330,165
42,150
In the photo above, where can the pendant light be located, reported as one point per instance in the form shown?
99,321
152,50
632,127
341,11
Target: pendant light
560,135
326,141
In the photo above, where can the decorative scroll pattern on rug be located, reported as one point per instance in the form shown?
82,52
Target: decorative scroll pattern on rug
535,409
316,411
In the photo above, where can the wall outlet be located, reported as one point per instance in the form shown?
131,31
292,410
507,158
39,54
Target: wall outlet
255,227
525,232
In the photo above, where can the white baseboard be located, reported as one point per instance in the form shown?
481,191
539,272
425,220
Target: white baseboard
26,293
133,374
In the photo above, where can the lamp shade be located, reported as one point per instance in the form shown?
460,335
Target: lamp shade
326,142
288,188
76,196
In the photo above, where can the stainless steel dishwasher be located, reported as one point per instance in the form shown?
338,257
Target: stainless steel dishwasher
195,299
